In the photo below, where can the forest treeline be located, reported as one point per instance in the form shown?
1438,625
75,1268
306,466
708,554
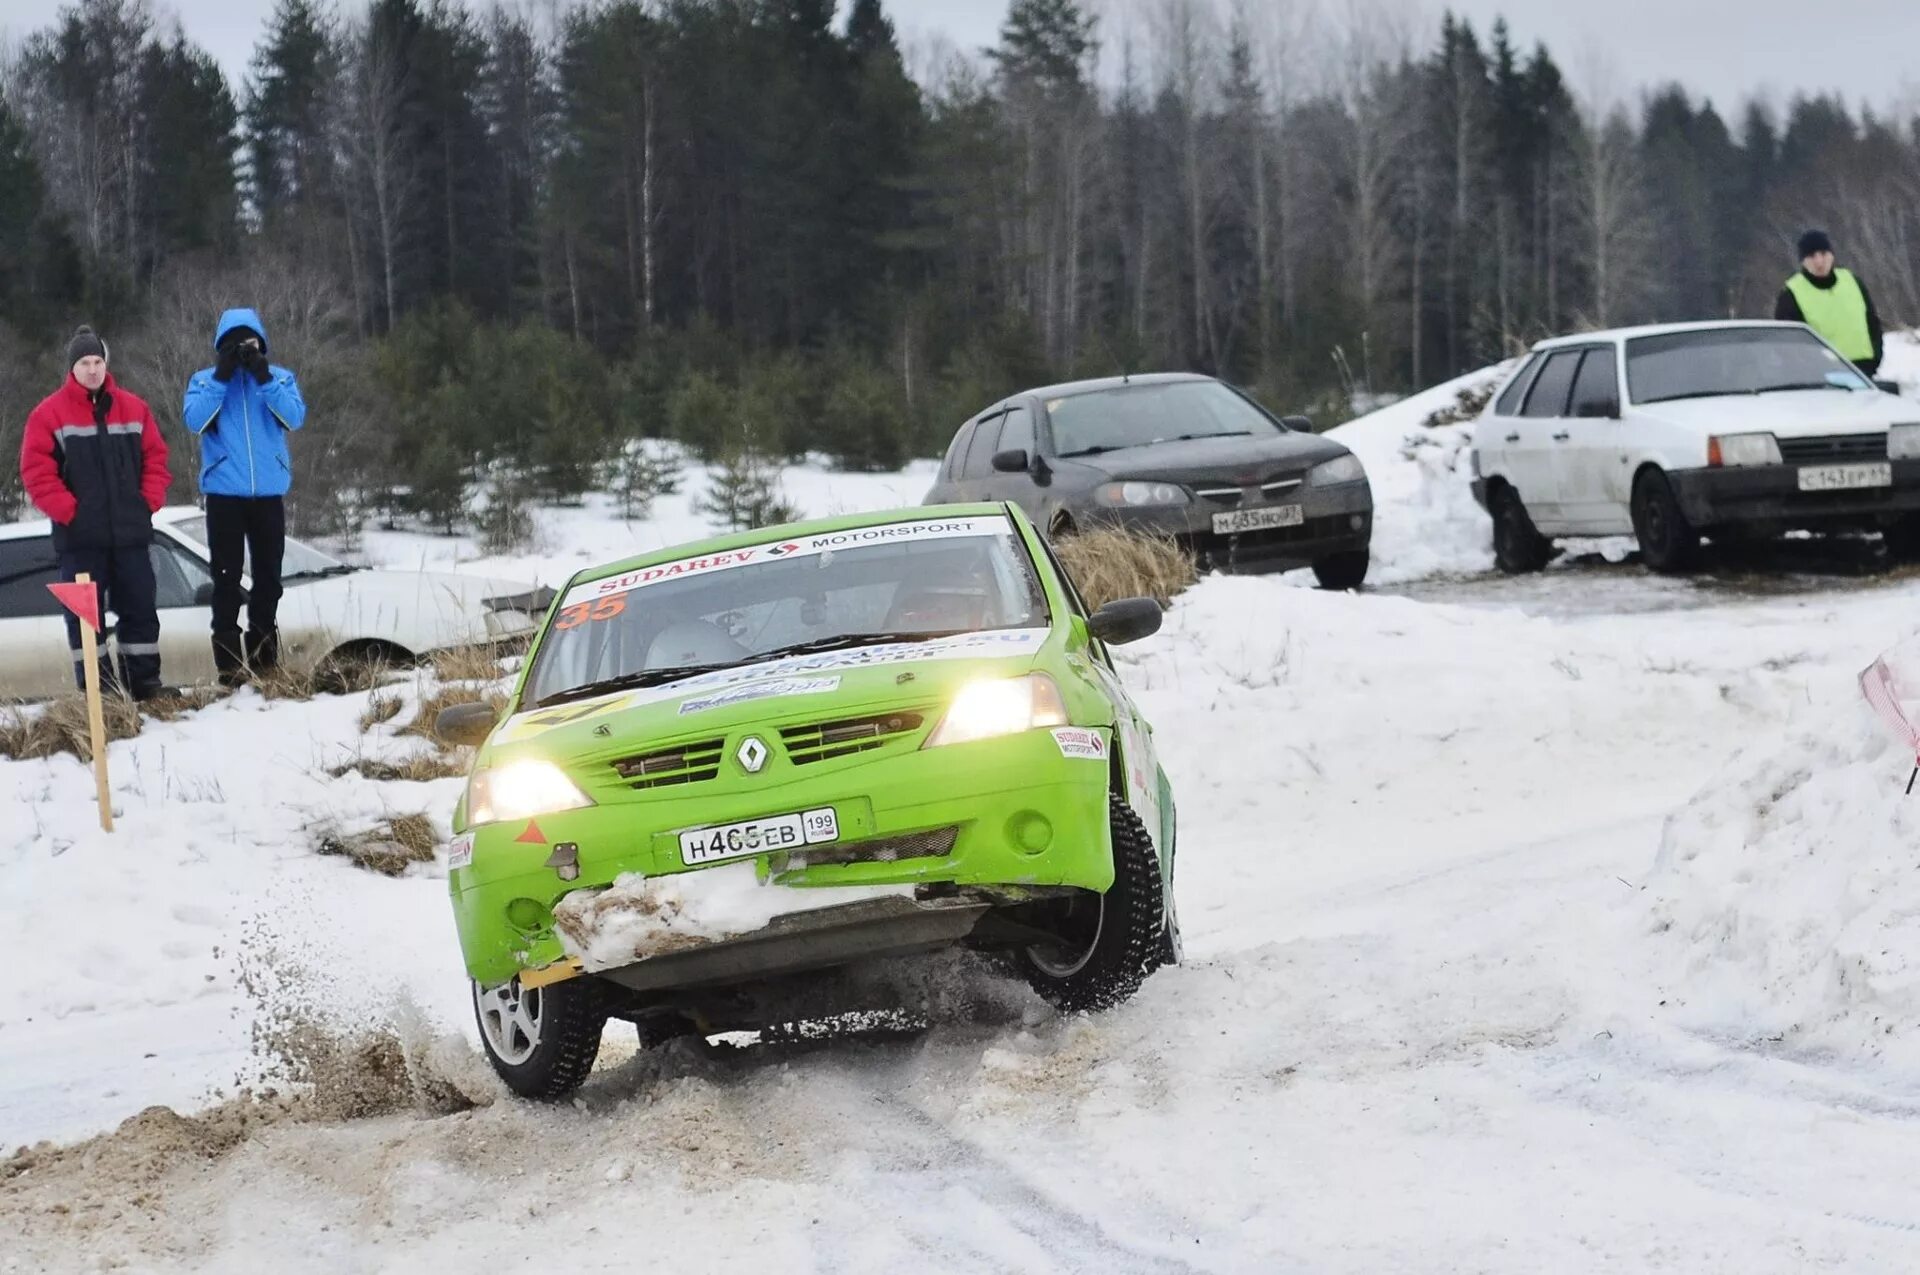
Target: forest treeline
499,248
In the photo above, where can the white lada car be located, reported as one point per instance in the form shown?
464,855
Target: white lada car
1668,433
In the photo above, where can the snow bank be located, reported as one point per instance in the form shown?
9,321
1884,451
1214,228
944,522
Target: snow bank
1902,362
1425,521
637,916
1788,891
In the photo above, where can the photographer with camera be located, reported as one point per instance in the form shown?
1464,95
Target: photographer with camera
243,408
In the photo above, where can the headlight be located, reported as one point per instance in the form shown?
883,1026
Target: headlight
1903,442
1341,469
1000,706
521,790
1743,449
1139,495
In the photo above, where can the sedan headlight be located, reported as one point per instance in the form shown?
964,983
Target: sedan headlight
521,790
1341,469
1140,495
1743,449
1000,706
1903,442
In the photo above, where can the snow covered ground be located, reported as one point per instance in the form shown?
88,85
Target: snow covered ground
1516,942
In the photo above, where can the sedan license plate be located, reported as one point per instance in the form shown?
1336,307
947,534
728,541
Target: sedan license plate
759,836
1845,477
1257,519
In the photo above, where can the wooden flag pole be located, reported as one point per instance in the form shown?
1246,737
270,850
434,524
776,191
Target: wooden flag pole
96,715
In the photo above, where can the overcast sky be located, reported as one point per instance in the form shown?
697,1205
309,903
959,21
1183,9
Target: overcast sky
1868,50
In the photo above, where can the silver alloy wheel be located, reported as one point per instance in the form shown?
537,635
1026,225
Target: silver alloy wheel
1059,961
510,1019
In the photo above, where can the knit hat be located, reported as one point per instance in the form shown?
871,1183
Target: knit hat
84,344
1814,241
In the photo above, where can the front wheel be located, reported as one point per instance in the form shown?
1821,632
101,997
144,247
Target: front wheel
1668,542
1343,571
1108,943
541,1040
1518,547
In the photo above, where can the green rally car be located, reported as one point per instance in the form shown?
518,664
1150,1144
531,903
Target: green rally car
733,765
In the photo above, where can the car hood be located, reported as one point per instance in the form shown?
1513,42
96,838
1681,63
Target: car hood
419,610
1789,414
917,677
1235,459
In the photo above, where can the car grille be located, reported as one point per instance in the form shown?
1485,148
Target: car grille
823,741
1258,550
682,764
1833,448
1227,493
917,845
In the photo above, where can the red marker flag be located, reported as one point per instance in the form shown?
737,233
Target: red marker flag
81,599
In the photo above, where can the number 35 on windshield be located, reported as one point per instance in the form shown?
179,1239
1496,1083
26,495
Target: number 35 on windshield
589,612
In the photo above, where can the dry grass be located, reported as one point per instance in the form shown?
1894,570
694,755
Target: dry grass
447,697
382,708
418,768
389,848
1109,564
469,664
60,726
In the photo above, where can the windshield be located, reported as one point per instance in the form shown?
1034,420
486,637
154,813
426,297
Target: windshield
1719,361
1133,415
899,582
301,561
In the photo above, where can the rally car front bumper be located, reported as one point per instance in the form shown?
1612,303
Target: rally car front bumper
1010,812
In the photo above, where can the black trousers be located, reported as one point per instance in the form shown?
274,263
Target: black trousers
123,576
246,532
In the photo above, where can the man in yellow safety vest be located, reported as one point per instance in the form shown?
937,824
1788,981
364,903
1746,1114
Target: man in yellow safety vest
1833,303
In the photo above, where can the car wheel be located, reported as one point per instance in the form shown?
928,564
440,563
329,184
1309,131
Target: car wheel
359,666
1341,571
1107,943
1518,548
1668,542
541,1040
1903,539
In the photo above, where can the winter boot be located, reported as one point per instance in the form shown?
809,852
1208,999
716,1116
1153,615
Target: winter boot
228,663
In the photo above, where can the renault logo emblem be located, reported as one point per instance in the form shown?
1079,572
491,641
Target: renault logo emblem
752,755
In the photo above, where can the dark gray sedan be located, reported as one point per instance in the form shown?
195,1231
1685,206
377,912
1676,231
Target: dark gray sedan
1184,456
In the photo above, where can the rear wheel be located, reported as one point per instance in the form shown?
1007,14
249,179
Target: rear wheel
1108,943
541,1040
1341,571
1518,547
1668,542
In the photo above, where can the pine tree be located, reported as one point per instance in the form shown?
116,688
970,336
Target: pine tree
744,492
188,138
291,162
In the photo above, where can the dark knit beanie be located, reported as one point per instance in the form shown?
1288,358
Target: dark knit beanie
84,343
1814,241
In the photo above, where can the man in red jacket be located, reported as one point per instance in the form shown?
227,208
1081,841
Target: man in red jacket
94,462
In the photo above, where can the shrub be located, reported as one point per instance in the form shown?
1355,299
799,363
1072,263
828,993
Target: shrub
1108,564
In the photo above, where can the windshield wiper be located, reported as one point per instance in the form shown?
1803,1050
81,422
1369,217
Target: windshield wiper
1803,385
1675,398
318,573
842,641
627,682
1095,450
1188,438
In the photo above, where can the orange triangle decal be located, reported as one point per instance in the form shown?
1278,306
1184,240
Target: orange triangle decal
532,836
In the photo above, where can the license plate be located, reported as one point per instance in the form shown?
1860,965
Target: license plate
1845,477
1257,519
759,836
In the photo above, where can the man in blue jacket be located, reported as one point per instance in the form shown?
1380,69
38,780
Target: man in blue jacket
243,408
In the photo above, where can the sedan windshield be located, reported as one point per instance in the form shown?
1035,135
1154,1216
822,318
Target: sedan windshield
894,583
1134,415
301,561
1720,361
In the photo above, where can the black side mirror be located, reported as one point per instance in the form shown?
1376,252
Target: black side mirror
1013,461
1298,424
465,724
1891,387
1125,620
203,596
1607,411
